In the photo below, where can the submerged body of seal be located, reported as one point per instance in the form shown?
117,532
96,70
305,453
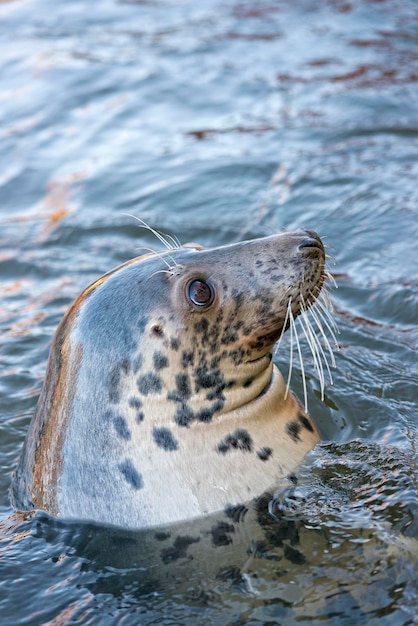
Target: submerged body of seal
161,401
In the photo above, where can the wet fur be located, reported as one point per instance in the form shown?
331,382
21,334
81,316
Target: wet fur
155,410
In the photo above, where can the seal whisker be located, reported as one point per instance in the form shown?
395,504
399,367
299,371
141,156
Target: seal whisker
323,354
323,298
330,277
327,248
302,367
289,316
277,346
286,319
318,323
294,336
168,271
326,317
322,315
314,345
320,354
318,304
176,245
167,240
160,254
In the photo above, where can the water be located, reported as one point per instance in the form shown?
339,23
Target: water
216,121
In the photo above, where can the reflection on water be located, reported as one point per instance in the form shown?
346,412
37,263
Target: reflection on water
216,121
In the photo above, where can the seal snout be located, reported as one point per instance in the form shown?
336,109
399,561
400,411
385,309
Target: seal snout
312,240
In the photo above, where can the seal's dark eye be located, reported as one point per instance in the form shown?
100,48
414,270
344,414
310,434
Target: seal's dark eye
200,293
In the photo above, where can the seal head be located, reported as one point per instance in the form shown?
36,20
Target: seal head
161,401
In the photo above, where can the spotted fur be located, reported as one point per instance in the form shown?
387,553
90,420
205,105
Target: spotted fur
155,408
164,438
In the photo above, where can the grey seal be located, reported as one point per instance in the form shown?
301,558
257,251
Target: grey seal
161,401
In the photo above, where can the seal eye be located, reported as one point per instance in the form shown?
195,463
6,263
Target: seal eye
200,293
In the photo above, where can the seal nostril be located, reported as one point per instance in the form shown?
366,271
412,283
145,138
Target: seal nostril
311,241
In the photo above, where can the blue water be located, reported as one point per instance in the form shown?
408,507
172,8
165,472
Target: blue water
217,121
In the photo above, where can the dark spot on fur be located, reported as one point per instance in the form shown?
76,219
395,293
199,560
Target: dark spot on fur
221,534
217,393
202,326
183,390
215,360
238,440
131,475
135,403
239,298
139,417
217,406
184,415
276,278
264,453
114,382
121,427
248,382
160,361
236,512
137,363
205,378
266,301
229,337
125,366
293,430
164,438
174,343
204,415
305,422
179,549
187,359
149,383
237,355
161,535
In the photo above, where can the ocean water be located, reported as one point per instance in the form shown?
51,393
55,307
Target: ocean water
217,121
